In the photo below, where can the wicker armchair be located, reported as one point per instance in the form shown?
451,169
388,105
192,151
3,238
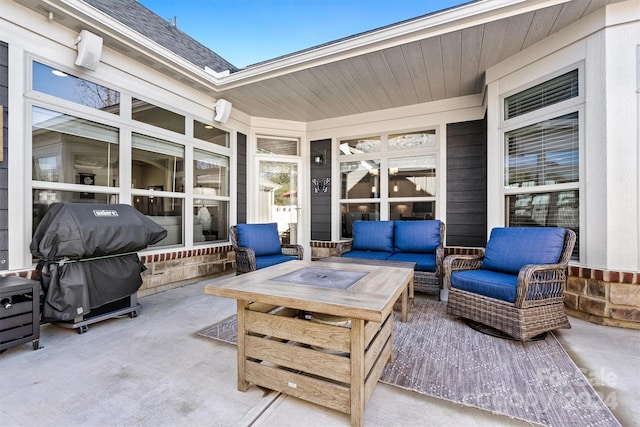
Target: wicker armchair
258,246
536,305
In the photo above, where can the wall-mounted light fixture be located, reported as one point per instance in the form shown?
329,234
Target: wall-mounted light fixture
318,159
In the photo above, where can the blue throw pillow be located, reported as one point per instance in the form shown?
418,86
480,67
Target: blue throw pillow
373,236
262,238
510,249
416,236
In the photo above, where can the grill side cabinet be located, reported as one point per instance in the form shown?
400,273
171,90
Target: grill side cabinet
19,312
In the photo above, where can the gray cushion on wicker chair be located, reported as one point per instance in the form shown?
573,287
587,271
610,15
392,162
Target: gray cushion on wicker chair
258,246
517,286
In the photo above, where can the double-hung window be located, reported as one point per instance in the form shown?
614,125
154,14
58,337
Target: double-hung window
542,154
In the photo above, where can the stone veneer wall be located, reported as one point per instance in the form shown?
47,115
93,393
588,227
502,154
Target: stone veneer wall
600,296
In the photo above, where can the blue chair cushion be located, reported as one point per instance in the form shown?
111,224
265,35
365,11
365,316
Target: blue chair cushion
491,284
373,236
367,254
424,262
416,236
262,238
269,260
509,249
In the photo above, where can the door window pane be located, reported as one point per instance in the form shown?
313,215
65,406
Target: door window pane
278,198
411,140
72,150
280,146
352,212
360,145
359,180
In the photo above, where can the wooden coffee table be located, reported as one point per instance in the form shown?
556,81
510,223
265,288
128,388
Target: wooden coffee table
298,357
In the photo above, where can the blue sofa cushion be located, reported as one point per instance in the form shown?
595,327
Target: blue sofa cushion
509,249
373,236
262,238
421,237
424,262
367,254
269,260
491,284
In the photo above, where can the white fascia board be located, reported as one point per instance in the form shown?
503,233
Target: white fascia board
435,24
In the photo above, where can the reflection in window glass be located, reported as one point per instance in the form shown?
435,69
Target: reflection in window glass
165,211
207,132
553,209
211,220
65,86
73,150
352,212
145,112
359,146
280,146
409,211
405,141
359,180
412,177
210,174
156,165
42,199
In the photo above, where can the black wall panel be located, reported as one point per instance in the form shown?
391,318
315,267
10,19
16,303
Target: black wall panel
321,191
4,171
241,171
467,184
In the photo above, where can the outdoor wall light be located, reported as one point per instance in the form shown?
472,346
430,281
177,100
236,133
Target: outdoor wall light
318,158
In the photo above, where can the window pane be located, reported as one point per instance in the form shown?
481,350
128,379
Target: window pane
359,146
62,85
360,180
165,211
42,199
156,164
73,150
555,209
280,146
405,141
545,153
150,114
408,211
210,174
211,221
207,132
412,177
357,212
548,93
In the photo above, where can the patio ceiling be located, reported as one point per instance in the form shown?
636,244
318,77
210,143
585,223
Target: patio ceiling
434,57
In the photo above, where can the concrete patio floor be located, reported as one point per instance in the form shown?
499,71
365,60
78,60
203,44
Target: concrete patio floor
155,370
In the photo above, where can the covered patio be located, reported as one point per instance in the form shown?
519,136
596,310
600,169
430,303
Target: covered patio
155,370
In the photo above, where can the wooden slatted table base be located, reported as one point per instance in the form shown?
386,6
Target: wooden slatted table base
297,357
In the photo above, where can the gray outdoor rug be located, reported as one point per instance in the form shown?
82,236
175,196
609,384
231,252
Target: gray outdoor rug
439,355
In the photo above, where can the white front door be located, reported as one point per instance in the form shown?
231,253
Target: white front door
278,197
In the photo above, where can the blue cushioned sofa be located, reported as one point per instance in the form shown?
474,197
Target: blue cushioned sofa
258,246
517,285
413,241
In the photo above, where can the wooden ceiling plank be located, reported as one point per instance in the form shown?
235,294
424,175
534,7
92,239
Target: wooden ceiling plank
541,25
471,40
569,14
417,71
432,52
400,71
452,59
371,83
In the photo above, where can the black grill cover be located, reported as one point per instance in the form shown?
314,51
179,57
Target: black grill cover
88,256
87,230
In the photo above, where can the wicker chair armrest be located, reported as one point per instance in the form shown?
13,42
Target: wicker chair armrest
293,250
458,263
245,259
343,247
439,260
537,283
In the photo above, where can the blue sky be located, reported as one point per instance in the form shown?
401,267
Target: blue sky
248,31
